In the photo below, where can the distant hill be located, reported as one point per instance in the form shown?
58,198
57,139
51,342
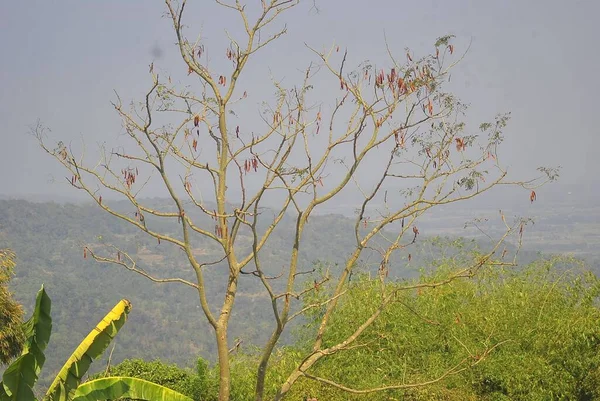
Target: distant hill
166,321
48,238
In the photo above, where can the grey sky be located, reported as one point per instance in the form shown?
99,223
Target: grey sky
538,59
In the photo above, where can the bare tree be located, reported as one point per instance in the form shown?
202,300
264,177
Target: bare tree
394,124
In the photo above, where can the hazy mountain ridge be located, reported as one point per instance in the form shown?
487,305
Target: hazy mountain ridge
48,238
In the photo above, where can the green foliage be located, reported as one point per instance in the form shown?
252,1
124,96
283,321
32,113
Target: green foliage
120,387
544,319
20,377
92,347
195,385
443,41
7,265
549,312
11,312
244,367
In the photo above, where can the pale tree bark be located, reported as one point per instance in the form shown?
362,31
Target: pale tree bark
398,116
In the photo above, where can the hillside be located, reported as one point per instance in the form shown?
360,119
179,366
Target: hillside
48,239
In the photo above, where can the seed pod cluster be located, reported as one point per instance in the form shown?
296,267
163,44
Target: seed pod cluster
129,176
251,164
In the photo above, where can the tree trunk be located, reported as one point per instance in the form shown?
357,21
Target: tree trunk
224,369
262,368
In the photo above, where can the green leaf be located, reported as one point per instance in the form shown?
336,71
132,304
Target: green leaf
20,377
119,387
90,348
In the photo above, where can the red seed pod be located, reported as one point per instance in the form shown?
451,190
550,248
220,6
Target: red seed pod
460,144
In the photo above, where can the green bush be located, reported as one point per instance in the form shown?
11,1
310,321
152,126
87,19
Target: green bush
185,381
544,316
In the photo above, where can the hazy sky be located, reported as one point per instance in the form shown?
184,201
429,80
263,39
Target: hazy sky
61,61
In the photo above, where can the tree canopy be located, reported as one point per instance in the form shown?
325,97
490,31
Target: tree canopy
11,312
389,130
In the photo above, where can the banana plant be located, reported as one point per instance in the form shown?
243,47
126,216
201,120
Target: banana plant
93,346
20,377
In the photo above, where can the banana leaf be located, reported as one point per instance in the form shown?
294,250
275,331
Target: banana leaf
112,388
69,377
20,377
